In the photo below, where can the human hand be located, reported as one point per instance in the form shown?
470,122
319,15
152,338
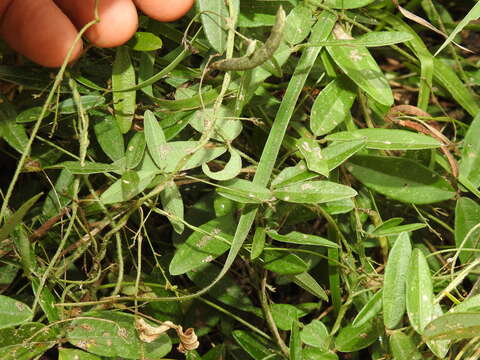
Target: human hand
45,30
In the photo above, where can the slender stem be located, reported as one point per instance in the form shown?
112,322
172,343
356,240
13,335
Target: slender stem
268,316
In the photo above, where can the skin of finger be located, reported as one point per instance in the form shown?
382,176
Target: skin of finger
165,10
118,19
3,6
40,31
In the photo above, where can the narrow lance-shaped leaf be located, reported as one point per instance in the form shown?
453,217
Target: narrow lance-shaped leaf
469,167
314,192
369,310
467,216
312,154
258,243
172,202
454,326
361,68
203,246
16,218
295,342
213,16
316,334
231,170
332,106
403,347
295,237
155,139
473,14
395,280
135,150
123,77
400,178
387,139
109,137
419,294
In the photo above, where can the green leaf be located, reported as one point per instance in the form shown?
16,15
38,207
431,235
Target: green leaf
395,281
293,174
231,170
258,243
469,304
113,334
155,139
130,182
116,192
175,151
14,134
46,300
123,77
473,14
75,167
383,38
203,247
60,195
400,179
454,326
16,218
244,192
145,71
30,115
351,339
387,139
332,106
27,341
284,263
469,167
338,152
312,353
256,347
295,237
109,137
350,4
446,77
361,68
285,315
467,216
213,17
227,128
369,310
308,283
172,203
419,292
314,192
312,154
145,41
298,24
403,347
75,354
135,150
13,312
384,230
295,342
316,334
68,106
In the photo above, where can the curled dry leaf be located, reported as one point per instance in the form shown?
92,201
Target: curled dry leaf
423,127
149,333
425,23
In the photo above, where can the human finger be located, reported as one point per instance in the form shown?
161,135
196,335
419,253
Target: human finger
165,10
118,19
40,31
